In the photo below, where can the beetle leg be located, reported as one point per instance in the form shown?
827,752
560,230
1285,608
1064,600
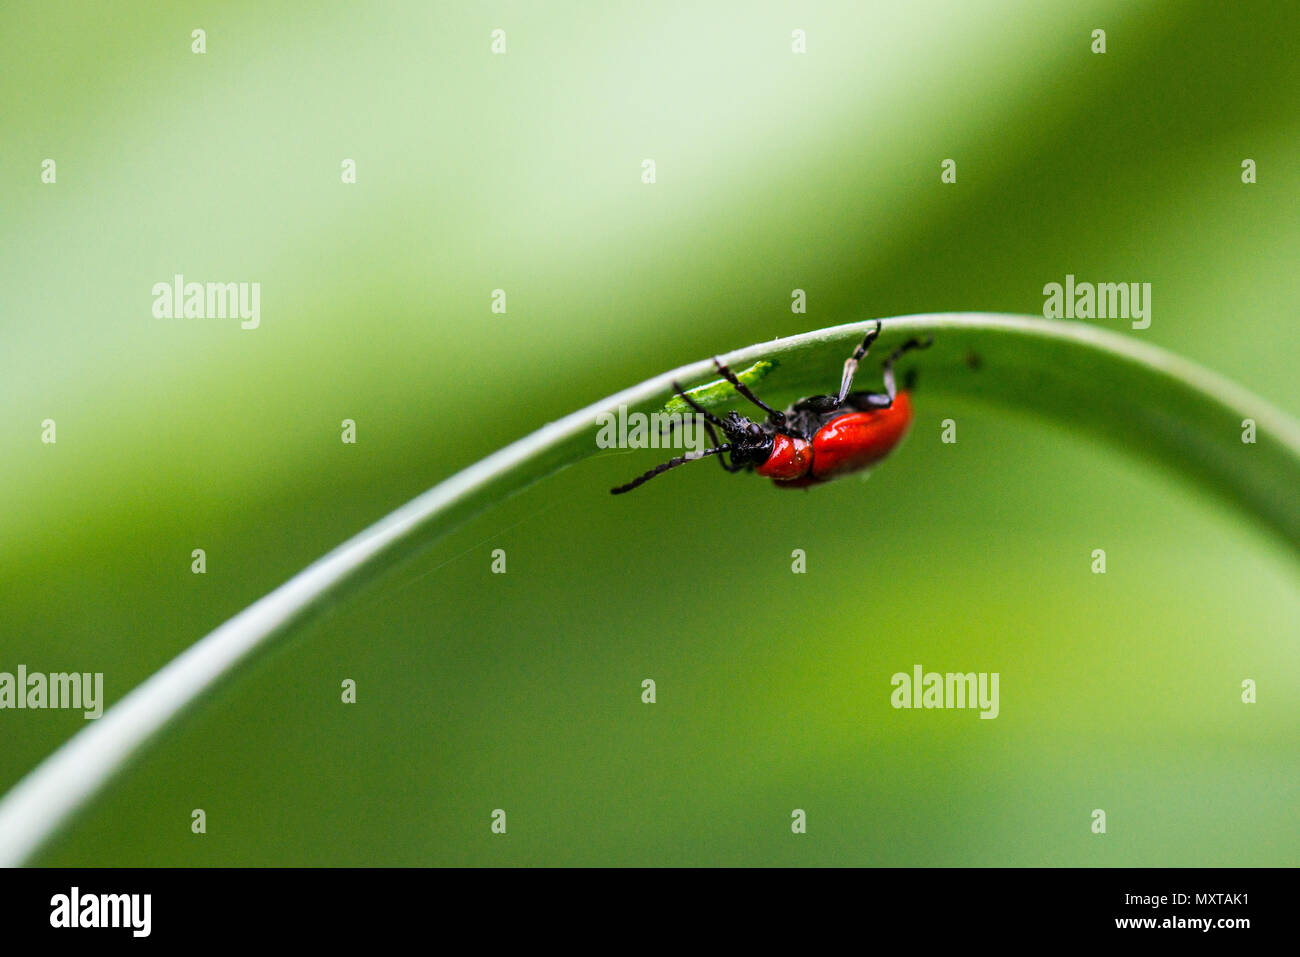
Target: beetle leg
897,354
866,401
722,459
851,364
818,404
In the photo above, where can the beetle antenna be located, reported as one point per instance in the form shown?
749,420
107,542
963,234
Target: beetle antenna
708,416
710,420
724,370
670,464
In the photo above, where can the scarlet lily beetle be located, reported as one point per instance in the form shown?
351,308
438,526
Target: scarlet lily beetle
813,441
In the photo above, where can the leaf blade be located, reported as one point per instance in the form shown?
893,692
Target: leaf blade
1098,381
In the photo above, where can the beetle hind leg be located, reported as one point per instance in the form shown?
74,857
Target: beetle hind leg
888,365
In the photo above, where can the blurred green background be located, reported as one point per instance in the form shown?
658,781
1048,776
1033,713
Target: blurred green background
523,172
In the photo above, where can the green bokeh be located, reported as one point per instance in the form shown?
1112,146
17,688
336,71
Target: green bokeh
522,172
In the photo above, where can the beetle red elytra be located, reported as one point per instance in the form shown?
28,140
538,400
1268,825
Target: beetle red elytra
813,441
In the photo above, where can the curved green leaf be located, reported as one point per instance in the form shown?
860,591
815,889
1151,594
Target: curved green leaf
1085,378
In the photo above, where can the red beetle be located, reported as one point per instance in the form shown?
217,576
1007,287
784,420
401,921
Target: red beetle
815,440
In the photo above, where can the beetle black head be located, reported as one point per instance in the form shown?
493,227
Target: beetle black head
750,442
